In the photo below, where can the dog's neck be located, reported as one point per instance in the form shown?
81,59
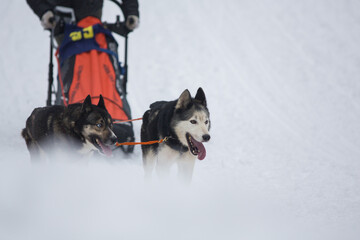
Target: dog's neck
176,145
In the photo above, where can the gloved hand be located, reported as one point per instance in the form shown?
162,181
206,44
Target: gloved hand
132,22
47,20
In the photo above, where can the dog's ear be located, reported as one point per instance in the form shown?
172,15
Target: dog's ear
101,103
184,100
200,96
87,100
86,106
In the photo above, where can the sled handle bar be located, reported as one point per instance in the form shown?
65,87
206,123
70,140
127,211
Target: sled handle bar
120,28
117,27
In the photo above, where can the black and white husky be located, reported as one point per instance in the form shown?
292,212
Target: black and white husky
185,123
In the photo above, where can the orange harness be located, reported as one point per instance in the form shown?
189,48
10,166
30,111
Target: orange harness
142,143
138,143
130,120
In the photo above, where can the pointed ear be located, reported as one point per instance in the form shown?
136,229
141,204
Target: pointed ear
200,96
87,100
184,100
101,103
86,104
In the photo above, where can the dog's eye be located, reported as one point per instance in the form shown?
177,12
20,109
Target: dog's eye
99,125
207,121
193,121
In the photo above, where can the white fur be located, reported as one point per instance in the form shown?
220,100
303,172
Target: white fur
196,130
87,149
165,159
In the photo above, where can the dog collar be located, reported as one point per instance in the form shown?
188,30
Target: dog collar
176,144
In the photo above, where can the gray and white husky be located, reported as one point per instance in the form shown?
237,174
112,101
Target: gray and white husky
185,123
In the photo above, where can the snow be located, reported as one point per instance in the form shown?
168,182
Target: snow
282,82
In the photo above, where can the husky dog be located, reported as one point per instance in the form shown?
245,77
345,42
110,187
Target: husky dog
82,127
185,123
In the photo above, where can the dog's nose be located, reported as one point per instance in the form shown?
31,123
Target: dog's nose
113,139
206,137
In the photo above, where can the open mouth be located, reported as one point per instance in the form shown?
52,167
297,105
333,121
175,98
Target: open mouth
196,148
103,148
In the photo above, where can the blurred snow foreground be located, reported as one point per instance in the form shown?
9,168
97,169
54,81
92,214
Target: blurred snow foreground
111,201
97,200
282,84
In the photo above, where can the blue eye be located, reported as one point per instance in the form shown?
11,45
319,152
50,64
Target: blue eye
99,125
193,121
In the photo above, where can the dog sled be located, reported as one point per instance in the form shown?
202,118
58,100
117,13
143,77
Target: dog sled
88,64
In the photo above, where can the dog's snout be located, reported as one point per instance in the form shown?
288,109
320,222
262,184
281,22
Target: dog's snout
206,137
113,139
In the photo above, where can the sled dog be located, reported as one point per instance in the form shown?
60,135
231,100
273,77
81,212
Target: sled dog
185,123
81,128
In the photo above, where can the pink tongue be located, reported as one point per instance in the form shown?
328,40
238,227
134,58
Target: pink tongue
201,149
106,150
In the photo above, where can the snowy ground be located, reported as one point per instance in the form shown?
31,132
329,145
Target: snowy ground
283,85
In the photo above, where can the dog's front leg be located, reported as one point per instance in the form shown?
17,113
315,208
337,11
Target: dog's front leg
163,167
186,169
165,159
149,161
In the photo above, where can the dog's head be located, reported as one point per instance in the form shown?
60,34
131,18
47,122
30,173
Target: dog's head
95,125
191,122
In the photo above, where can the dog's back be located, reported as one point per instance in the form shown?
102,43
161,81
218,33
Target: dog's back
149,130
42,120
155,123
39,126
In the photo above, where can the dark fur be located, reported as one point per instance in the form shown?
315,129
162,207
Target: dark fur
53,127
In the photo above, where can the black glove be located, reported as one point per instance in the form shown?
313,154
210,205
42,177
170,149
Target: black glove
132,22
47,20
